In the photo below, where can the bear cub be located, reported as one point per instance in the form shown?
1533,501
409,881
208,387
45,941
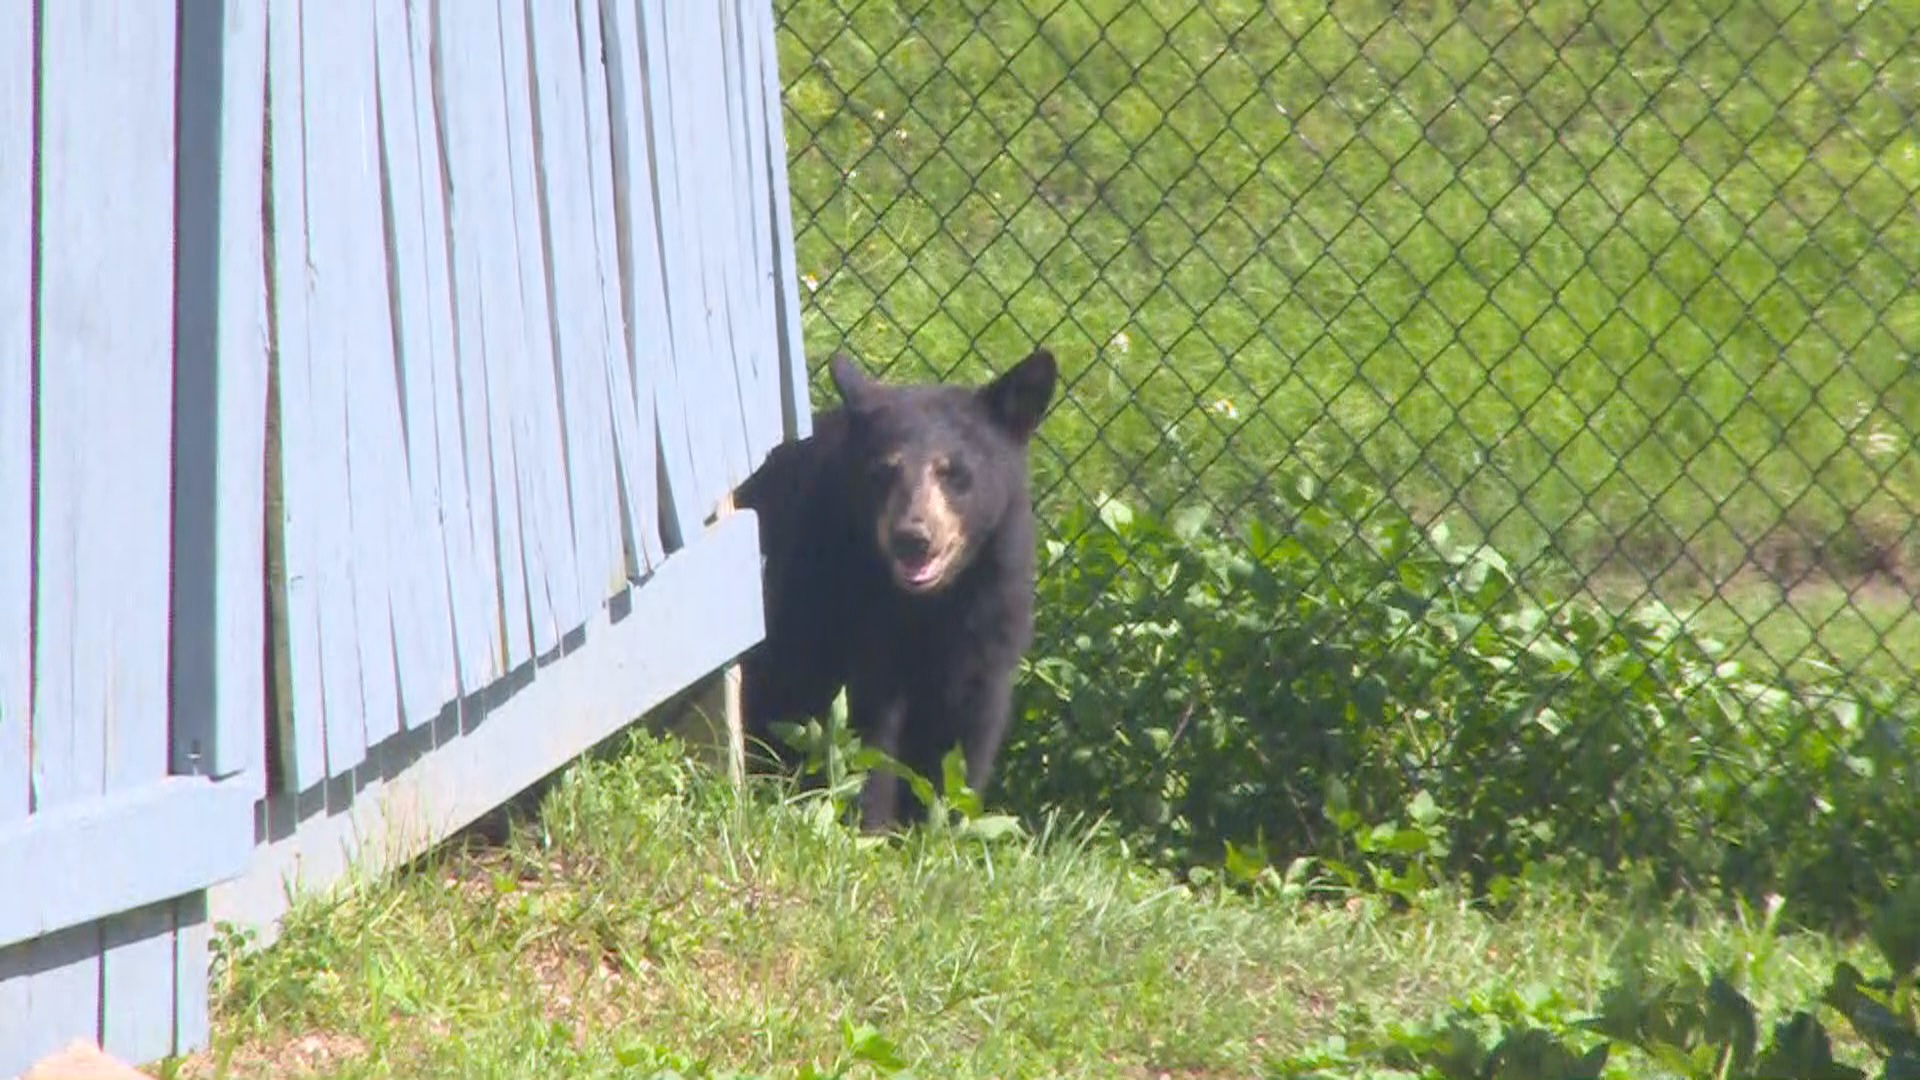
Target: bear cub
898,558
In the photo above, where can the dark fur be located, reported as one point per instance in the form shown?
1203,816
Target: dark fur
842,512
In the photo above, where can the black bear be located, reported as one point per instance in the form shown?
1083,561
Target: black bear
898,559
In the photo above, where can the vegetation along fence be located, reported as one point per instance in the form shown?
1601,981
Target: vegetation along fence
1488,435
374,372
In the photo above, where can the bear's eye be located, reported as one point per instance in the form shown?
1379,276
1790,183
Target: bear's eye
880,473
956,475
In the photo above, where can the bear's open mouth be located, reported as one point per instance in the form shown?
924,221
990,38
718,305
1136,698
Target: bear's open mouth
922,573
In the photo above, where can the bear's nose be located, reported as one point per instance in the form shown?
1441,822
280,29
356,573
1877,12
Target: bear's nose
911,543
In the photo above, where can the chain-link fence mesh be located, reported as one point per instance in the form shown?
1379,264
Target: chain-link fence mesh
1624,292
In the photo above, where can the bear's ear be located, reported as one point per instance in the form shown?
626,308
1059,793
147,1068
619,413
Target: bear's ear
853,384
1019,397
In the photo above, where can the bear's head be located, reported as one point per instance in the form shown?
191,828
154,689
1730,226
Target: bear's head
939,469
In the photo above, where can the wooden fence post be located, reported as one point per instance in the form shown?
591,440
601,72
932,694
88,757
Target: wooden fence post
708,716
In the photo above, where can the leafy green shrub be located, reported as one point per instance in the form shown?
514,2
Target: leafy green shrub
1311,686
1697,1027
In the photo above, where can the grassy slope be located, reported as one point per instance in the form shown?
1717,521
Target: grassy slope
1628,288
648,912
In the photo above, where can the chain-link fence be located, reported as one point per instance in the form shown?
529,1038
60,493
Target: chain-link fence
1620,295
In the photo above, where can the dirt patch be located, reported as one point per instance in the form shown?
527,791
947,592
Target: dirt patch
1872,560
297,1055
583,990
1807,589
1870,553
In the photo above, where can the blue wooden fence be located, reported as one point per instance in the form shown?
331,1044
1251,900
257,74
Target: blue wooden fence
372,377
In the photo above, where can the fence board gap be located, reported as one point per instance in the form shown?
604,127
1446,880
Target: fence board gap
303,748
697,69
634,550
704,369
353,363
689,371
745,291
574,294
240,681
550,566
17,72
644,323
681,453
486,306
466,525
423,622
732,218
758,190
795,400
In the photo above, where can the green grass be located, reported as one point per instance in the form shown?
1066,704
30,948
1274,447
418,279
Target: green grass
1860,628
1621,290
650,912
